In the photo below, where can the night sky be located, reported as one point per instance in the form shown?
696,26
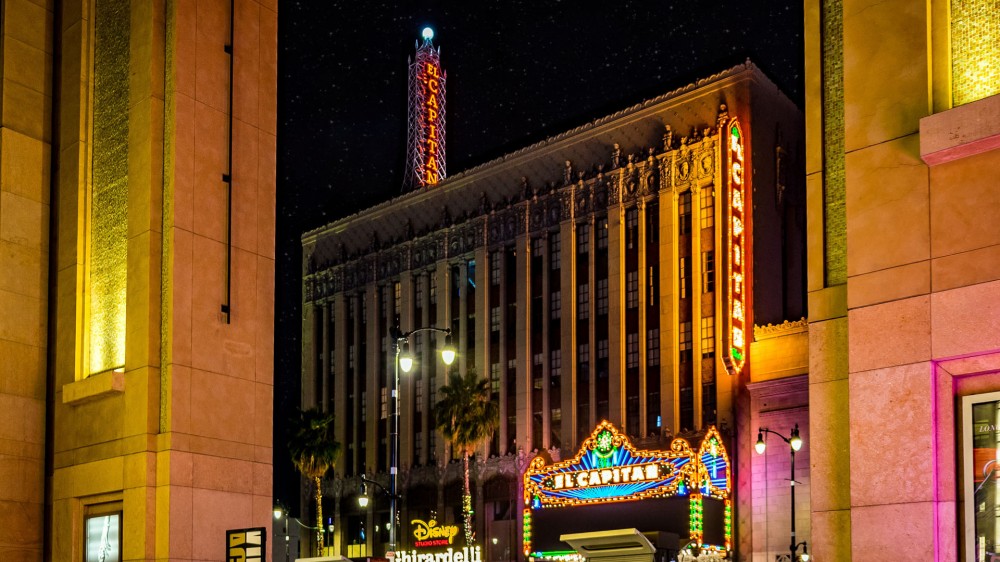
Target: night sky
518,72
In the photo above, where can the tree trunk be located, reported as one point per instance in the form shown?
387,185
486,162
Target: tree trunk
319,516
467,501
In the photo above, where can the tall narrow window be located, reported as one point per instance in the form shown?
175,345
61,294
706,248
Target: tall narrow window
685,340
582,238
495,319
555,251
583,301
108,220
555,304
684,213
632,289
708,271
537,247
682,278
707,216
602,296
495,268
653,348
708,337
602,234
555,364
631,351
397,298
495,378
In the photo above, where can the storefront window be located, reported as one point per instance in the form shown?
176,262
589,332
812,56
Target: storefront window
981,467
103,537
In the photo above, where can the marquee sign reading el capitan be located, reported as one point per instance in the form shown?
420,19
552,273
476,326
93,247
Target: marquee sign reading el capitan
609,469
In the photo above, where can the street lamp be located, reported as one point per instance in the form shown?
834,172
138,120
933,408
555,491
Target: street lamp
794,444
404,361
281,512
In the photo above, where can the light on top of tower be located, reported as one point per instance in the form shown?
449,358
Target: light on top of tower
427,34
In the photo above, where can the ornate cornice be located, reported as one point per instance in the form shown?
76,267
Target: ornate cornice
786,328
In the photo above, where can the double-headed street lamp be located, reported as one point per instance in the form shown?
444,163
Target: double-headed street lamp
794,444
281,512
404,361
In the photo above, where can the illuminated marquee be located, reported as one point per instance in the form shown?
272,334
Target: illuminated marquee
426,165
739,213
609,469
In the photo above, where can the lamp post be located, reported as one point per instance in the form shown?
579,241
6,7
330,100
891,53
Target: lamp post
794,444
281,512
404,361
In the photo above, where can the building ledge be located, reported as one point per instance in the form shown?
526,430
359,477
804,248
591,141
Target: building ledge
961,132
94,387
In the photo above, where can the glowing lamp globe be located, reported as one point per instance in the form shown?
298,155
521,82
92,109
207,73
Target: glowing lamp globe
427,34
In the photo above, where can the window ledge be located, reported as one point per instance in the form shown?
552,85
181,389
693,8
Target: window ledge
94,387
961,132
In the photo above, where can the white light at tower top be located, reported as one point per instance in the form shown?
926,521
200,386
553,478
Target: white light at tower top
428,33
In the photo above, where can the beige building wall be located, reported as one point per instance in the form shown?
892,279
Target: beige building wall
904,270
25,152
177,434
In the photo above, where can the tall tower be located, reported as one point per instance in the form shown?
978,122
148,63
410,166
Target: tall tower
425,156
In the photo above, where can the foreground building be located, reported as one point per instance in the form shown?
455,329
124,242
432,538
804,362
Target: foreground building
137,167
615,272
903,130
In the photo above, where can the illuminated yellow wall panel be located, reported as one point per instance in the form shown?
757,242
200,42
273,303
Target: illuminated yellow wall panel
109,195
975,49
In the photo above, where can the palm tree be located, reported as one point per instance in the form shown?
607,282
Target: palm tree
467,418
314,451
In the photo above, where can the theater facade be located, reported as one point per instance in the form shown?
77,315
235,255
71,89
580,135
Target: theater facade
633,290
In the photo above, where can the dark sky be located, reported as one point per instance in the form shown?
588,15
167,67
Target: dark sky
518,72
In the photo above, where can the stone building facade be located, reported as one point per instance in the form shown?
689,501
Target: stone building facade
588,277
137,184
902,130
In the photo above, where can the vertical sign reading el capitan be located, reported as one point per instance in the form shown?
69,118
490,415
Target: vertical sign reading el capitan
739,211
425,164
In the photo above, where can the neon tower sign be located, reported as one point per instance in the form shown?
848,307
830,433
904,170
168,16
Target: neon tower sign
425,165
739,217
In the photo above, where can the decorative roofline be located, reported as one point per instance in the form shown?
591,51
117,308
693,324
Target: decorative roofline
747,66
786,328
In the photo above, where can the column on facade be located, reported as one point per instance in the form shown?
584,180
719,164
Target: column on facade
643,286
442,275
523,362
482,324
502,356
592,314
357,376
567,265
546,347
339,409
665,291
373,382
324,360
696,289
670,314
462,337
407,381
616,313
339,376
310,327
425,354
